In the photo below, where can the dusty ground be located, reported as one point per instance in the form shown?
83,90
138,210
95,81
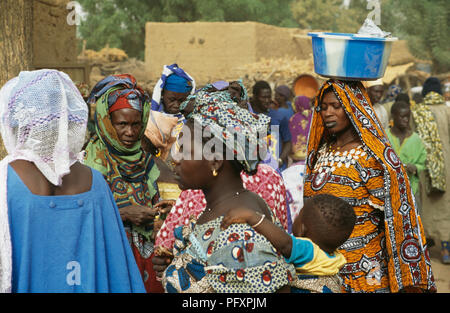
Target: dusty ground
441,271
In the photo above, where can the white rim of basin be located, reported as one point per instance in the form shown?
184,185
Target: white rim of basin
344,36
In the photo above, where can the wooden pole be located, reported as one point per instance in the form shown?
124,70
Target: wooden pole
16,20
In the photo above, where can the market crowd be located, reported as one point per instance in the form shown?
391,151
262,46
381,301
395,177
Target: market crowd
177,191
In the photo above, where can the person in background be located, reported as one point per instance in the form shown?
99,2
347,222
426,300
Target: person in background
60,228
349,156
427,129
172,88
391,94
283,99
322,226
122,111
408,145
375,89
165,123
299,125
261,103
428,126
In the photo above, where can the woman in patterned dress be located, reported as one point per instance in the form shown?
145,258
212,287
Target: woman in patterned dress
206,258
349,156
115,150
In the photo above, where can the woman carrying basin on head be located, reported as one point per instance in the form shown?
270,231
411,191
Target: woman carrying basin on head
350,157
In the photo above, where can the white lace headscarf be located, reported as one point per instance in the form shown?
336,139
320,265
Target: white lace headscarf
43,120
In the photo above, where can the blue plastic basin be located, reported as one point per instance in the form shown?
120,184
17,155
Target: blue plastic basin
350,56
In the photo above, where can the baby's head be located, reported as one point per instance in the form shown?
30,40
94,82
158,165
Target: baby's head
327,220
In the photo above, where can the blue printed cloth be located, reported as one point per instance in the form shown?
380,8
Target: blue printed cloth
235,260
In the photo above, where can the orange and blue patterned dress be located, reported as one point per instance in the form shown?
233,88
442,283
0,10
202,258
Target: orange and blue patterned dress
357,178
386,251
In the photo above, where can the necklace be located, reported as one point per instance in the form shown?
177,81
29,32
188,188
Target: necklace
337,148
235,194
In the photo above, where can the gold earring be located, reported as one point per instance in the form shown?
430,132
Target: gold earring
215,172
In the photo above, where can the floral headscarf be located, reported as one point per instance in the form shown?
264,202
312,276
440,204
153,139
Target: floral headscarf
226,120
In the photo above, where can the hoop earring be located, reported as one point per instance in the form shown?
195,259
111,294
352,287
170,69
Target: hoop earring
215,172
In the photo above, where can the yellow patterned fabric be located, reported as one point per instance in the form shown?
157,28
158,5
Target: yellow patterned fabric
426,127
386,251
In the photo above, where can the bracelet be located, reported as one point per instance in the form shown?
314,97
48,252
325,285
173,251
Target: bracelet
260,221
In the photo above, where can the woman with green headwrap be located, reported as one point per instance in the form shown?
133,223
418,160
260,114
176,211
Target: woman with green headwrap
121,113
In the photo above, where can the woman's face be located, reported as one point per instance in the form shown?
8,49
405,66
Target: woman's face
192,172
333,114
128,125
172,100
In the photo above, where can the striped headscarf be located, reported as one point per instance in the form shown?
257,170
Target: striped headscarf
169,70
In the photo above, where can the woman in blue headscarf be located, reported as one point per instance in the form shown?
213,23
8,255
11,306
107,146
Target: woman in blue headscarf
172,89
165,120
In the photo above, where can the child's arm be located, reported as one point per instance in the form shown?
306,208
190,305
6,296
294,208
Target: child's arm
279,238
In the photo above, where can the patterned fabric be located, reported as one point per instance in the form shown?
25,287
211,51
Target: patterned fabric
299,125
237,260
131,174
426,127
387,249
266,183
316,284
293,178
127,88
237,128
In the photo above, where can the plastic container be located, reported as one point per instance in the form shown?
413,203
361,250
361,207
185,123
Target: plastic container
350,56
306,85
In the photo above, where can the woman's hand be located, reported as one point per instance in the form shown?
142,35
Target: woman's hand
138,214
239,216
164,206
160,262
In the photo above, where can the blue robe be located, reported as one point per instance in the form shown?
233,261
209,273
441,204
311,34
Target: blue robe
70,243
